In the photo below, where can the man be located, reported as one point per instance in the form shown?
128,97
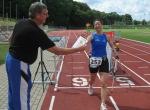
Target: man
98,61
26,38
117,45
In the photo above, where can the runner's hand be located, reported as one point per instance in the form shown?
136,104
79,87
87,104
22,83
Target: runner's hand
116,57
82,48
85,34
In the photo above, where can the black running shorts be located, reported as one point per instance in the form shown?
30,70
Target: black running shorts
104,67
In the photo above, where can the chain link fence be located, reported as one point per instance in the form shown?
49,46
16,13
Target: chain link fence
5,33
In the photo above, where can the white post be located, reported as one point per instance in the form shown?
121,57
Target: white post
7,20
3,10
16,11
10,10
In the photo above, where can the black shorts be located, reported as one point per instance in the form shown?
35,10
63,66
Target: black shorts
104,67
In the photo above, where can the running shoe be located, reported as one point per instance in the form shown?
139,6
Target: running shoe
90,90
103,106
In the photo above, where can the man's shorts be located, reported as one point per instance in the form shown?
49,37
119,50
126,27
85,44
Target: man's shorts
104,67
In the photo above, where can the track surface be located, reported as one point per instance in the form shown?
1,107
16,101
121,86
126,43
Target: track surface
131,88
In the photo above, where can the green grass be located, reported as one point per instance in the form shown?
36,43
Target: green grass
7,22
3,51
135,34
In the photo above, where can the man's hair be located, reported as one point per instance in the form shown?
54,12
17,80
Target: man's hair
36,8
98,20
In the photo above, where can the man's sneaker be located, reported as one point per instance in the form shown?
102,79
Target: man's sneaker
103,106
90,90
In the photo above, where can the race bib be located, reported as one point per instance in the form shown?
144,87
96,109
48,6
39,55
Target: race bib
95,62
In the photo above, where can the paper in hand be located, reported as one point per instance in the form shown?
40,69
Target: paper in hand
80,41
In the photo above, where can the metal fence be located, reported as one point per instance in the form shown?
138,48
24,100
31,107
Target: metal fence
5,32
53,65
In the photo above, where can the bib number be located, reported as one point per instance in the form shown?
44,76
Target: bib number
95,62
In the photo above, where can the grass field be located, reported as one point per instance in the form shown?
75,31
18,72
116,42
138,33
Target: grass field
3,51
7,22
135,34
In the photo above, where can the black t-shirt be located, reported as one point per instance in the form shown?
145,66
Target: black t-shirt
27,37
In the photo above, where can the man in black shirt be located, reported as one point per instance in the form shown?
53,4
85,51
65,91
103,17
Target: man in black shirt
26,38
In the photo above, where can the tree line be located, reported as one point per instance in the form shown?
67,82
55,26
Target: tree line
67,13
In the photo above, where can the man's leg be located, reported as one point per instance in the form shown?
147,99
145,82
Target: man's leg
25,86
93,72
92,78
19,84
104,91
14,76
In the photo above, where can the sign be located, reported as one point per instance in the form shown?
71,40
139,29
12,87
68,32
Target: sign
80,41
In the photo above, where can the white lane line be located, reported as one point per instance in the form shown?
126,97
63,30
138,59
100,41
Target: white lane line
78,68
135,49
141,54
135,56
86,54
70,75
114,103
61,65
132,61
77,62
75,35
146,74
137,41
133,43
76,54
116,87
143,67
122,54
135,73
99,76
58,75
52,103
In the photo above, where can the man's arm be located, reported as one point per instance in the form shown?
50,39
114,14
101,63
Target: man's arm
64,51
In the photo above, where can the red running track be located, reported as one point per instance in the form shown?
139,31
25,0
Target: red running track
131,91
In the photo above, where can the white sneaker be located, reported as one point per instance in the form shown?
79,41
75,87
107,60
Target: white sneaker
90,90
103,106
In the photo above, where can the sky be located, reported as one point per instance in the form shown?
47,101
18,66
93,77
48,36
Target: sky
138,9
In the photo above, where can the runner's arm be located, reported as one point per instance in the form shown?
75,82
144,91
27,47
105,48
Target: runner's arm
112,46
89,38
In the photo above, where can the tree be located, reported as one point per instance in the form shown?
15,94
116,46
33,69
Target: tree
59,11
144,22
135,22
80,14
69,13
127,19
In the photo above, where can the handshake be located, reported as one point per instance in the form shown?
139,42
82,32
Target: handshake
81,43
